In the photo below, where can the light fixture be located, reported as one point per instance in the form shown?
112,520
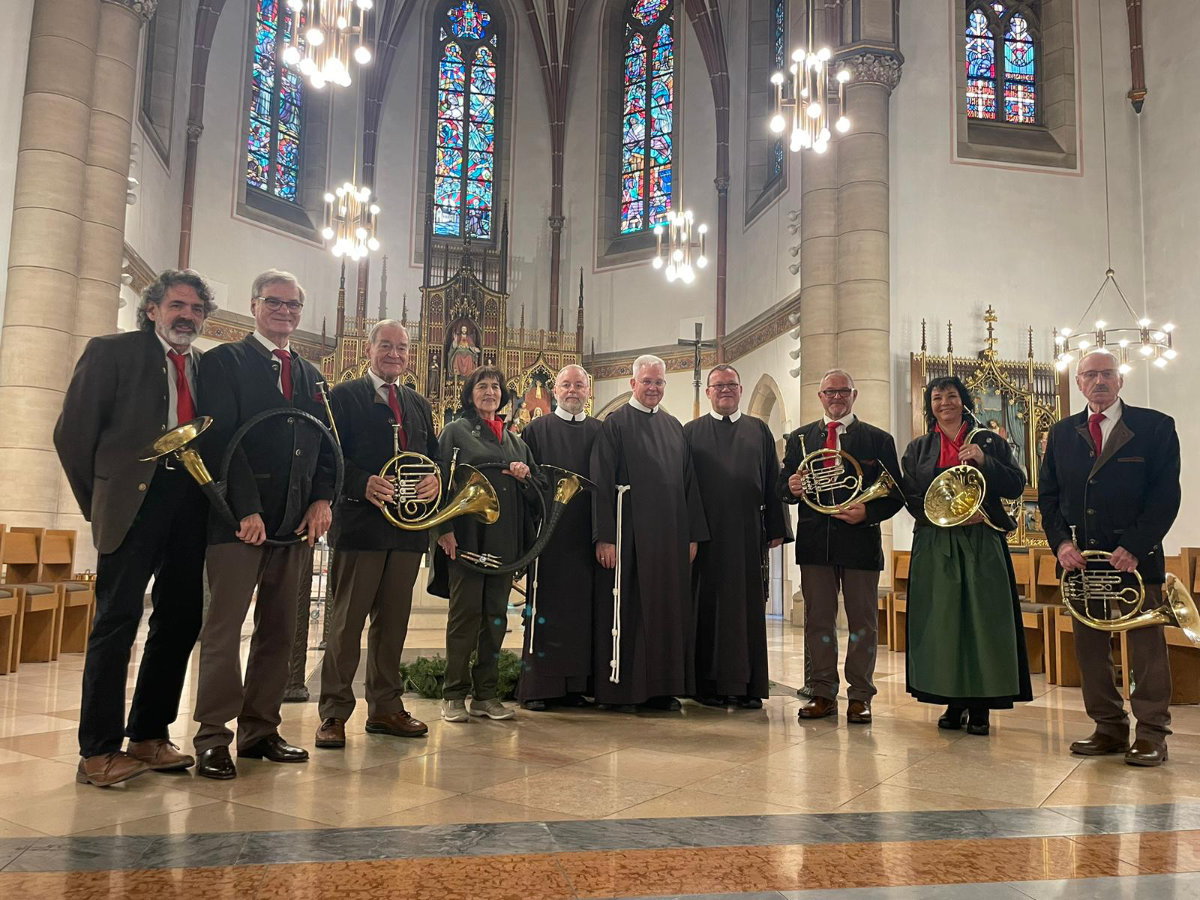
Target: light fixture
677,260
807,98
1138,337
350,218
325,35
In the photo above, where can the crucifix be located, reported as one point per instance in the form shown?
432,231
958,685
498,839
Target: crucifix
698,344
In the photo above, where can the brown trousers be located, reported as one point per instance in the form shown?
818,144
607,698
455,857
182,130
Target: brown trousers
859,589
1150,671
378,583
234,571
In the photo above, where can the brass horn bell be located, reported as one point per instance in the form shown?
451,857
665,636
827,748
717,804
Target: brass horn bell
824,470
475,495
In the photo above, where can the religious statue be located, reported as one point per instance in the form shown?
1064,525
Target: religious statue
463,357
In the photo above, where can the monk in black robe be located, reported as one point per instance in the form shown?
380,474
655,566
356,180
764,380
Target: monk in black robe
557,654
645,636
736,468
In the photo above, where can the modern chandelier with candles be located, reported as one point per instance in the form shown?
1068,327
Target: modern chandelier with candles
331,33
677,260
805,95
350,219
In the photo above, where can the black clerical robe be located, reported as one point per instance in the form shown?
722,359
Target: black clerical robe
736,466
557,653
662,514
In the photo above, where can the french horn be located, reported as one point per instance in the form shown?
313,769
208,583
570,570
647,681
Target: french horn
825,470
957,494
474,495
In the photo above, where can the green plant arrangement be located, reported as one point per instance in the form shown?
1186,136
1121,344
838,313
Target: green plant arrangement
426,676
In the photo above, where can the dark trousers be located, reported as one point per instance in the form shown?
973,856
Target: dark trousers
859,589
234,571
1150,672
166,541
377,583
477,622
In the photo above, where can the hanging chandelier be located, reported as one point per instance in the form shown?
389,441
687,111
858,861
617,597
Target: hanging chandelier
807,95
677,260
320,44
350,219
1138,337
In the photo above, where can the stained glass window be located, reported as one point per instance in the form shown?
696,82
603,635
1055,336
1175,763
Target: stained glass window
276,98
464,167
648,81
1001,61
779,57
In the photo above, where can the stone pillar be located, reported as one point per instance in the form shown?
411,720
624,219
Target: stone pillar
818,274
36,352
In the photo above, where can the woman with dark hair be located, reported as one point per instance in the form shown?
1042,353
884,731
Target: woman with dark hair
966,646
479,603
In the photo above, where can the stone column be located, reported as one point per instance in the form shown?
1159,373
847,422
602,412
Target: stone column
36,351
818,274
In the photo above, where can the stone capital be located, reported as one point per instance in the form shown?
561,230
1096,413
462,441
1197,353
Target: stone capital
873,67
722,183
194,130
143,9
556,223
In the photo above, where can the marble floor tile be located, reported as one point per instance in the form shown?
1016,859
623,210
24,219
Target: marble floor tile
46,744
584,794
919,892
254,776
690,802
790,787
229,883
848,762
1027,782
212,817
33,723
1140,887
467,809
638,764
459,772
892,797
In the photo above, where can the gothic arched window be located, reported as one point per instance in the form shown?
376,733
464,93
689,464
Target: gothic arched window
276,94
648,94
1002,50
778,59
467,89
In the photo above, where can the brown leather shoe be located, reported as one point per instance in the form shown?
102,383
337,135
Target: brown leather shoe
109,768
331,733
817,708
1144,753
160,755
1099,745
859,711
397,724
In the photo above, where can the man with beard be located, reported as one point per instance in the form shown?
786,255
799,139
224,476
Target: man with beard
148,519
557,656
645,615
736,467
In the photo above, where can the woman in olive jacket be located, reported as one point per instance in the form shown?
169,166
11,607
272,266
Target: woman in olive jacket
479,603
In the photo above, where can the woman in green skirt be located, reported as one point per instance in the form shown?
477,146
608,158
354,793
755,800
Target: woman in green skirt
966,646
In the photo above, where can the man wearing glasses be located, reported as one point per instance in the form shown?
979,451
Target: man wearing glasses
1110,481
280,484
736,466
841,551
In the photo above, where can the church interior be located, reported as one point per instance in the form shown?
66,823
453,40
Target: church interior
902,189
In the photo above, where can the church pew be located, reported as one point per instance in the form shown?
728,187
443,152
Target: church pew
12,610
898,600
41,622
79,596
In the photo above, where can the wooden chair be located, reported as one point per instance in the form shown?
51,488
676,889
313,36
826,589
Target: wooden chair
1022,564
1066,665
79,596
898,600
41,622
12,609
1176,567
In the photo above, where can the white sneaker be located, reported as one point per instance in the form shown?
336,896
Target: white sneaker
454,710
493,709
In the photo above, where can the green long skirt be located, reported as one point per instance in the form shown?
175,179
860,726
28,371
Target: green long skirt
966,646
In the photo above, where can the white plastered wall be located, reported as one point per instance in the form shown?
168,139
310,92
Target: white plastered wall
14,54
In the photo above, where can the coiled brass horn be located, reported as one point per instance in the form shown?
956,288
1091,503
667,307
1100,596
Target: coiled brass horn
824,471
1090,594
475,495
957,494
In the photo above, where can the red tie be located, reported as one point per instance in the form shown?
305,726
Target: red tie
1094,421
185,410
285,372
394,403
831,440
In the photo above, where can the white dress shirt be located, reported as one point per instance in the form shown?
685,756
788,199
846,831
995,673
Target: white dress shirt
271,348
189,371
381,386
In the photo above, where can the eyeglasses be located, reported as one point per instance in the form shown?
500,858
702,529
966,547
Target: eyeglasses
725,386
843,393
276,302
1092,375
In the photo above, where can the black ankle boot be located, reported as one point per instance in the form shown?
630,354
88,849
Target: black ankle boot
954,718
978,723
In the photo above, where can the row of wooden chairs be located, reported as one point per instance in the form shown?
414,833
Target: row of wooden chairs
45,610
1048,627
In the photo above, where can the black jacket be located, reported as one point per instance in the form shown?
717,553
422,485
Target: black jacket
282,465
1004,477
822,540
1129,497
364,424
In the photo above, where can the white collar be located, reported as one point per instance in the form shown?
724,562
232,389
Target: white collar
379,383
846,421
737,414
633,401
569,417
167,348
1113,413
270,345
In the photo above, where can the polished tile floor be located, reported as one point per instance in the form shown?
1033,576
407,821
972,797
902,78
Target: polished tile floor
590,804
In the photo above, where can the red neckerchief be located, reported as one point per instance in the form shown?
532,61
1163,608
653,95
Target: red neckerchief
497,427
948,454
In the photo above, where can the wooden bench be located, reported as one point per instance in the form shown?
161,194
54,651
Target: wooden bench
79,596
898,601
12,610
1037,621
41,616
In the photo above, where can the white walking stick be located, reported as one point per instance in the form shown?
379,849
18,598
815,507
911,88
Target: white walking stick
615,664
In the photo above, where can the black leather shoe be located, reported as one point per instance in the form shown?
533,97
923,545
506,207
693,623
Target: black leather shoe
978,721
534,705
1099,745
1144,753
216,763
274,748
953,719
665,703
749,702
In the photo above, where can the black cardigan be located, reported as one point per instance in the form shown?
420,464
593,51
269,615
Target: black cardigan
1004,477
